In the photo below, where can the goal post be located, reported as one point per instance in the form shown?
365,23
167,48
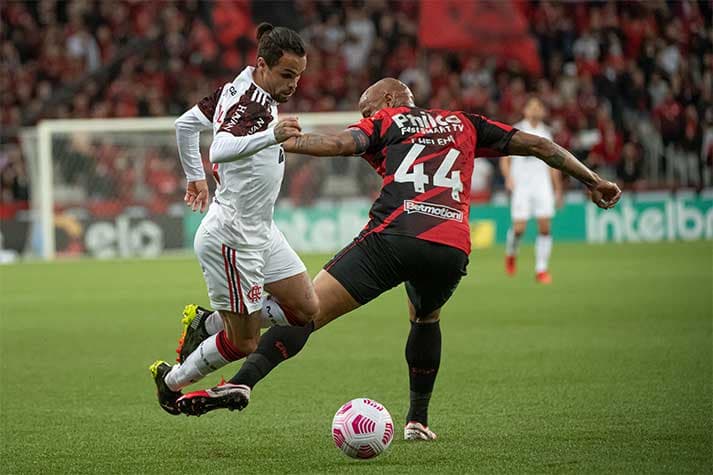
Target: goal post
95,179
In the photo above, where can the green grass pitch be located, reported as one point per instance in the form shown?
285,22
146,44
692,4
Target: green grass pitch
606,371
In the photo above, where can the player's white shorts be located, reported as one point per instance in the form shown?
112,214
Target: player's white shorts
532,201
235,277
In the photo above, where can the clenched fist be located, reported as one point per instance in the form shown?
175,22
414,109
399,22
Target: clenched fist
605,194
286,128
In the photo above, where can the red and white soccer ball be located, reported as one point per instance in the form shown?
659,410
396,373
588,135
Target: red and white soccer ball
362,428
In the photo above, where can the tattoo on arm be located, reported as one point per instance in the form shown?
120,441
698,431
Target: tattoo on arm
308,143
552,154
342,144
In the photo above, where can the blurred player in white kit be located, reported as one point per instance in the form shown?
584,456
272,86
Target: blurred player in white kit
535,190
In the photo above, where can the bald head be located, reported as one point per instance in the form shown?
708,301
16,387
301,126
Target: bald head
387,92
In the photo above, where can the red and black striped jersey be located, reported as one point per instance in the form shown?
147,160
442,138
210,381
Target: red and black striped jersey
426,159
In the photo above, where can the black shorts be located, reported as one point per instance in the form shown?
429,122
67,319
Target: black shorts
370,266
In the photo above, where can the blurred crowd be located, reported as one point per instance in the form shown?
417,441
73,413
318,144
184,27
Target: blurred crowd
628,85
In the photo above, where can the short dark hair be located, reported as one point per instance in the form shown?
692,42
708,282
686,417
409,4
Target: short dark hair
273,41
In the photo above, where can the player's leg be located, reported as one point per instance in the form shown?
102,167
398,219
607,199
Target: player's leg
234,279
423,356
209,250
292,299
197,324
352,278
428,290
520,213
544,211
359,273
543,250
239,338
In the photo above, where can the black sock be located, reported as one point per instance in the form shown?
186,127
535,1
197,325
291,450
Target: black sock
423,355
275,346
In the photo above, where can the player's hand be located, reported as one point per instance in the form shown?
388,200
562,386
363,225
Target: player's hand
286,128
197,195
605,194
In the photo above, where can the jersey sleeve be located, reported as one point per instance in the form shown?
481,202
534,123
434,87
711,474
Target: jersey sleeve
371,127
492,137
208,104
246,118
188,129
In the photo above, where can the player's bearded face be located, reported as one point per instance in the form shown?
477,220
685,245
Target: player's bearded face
282,78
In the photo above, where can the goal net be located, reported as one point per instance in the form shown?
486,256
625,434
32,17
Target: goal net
110,188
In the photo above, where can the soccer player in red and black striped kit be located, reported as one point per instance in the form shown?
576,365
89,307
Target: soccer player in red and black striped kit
418,232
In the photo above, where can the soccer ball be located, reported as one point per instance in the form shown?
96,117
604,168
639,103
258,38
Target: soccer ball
362,428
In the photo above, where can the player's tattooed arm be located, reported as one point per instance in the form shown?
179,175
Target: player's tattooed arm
347,143
605,194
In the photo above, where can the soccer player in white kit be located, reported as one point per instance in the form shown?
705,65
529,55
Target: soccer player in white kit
240,250
535,189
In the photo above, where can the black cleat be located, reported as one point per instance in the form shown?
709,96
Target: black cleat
194,331
166,397
224,396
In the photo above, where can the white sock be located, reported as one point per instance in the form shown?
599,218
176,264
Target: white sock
214,323
543,249
272,314
203,361
512,243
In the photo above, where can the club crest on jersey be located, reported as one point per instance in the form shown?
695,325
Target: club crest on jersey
433,209
255,294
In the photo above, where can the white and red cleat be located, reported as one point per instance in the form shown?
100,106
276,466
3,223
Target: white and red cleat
224,396
510,267
543,277
417,431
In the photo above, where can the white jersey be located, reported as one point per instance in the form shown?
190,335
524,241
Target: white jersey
238,245
528,171
248,164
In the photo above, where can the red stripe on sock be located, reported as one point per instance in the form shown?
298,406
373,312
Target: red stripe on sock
226,348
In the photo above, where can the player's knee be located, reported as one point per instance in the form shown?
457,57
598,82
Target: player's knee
431,317
309,309
304,310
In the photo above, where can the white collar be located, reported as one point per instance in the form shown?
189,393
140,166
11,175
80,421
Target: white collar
247,74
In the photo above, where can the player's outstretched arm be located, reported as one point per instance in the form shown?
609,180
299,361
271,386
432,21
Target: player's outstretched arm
605,194
347,143
227,147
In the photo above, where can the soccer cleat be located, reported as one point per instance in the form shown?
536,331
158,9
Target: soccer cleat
224,396
166,397
543,277
510,265
417,431
194,331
